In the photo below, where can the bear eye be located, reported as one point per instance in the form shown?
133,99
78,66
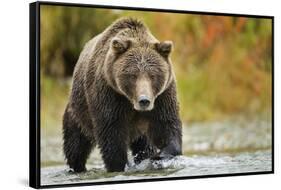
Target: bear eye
152,77
133,77
129,76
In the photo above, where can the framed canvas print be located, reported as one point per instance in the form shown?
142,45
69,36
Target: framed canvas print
120,94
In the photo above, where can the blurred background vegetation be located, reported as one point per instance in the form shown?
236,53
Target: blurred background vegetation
223,64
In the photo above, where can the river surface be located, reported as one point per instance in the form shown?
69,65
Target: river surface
232,146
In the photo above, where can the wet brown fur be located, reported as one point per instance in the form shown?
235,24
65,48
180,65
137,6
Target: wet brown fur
100,110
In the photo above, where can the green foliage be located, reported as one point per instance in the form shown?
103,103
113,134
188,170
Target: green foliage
223,64
64,31
54,95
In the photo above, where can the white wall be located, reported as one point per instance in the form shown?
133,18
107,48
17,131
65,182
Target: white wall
14,95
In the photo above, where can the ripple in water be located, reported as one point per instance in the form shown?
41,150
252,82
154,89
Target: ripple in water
177,167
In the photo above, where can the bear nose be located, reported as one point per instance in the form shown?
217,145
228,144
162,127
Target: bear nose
144,101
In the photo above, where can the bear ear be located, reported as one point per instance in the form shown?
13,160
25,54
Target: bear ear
164,48
119,45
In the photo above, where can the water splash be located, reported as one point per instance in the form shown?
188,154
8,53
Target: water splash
176,167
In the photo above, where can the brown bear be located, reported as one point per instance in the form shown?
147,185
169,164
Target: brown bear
123,97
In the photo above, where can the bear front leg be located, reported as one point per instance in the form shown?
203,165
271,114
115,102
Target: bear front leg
167,136
112,142
165,128
76,145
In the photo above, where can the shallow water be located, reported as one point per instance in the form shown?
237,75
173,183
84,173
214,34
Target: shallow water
176,167
233,146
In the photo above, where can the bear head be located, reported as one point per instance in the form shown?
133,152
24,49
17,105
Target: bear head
139,68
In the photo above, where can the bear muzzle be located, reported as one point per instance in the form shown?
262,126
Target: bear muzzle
143,103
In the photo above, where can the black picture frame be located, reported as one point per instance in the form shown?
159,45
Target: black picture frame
34,93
